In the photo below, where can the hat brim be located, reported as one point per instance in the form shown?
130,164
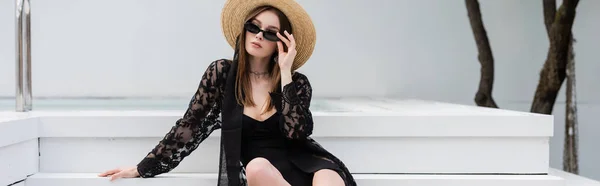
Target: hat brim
235,11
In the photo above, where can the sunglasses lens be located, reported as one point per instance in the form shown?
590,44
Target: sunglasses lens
252,28
271,36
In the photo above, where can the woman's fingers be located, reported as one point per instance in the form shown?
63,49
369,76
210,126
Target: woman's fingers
280,47
286,41
117,176
110,172
292,40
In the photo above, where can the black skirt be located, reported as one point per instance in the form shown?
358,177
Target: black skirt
264,139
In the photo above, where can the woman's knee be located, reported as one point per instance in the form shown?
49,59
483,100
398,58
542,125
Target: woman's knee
259,168
327,177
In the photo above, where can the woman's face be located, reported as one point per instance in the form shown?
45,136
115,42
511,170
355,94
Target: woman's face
256,44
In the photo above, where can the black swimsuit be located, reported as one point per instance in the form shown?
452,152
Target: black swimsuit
264,139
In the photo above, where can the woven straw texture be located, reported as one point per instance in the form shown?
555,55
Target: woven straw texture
235,11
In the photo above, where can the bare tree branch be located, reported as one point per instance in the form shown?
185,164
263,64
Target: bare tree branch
570,151
483,97
554,71
549,14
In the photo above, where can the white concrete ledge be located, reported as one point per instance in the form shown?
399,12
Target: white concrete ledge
17,161
361,155
333,118
350,118
18,130
555,178
156,123
572,179
424,137
195,179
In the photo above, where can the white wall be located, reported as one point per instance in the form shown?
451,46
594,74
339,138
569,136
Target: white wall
7,48
409,49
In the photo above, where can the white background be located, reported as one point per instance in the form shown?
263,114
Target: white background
394,48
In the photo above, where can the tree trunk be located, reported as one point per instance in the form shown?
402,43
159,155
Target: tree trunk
570,151
483,97
549,14
554,71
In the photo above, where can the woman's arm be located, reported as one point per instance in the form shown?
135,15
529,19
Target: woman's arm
293,104
296,120
198,122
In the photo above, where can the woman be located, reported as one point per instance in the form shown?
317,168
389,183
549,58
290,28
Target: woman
263,101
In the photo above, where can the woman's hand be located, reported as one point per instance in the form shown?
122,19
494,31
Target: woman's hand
286,59
127,172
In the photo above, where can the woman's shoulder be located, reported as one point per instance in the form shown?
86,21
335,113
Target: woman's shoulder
299,76
219,66
221,63
216,71
300,79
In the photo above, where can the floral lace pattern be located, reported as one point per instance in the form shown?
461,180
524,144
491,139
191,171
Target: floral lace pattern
198,122
296,120
202,117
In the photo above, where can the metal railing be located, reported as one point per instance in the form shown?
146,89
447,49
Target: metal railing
23,56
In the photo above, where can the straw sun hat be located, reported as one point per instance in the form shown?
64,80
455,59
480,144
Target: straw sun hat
235,11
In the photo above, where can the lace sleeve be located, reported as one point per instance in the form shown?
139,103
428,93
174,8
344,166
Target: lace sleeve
198,122
296,118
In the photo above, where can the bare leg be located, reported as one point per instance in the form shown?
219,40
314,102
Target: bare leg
327,177
260,172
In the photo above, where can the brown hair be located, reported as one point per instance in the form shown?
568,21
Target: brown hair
242,83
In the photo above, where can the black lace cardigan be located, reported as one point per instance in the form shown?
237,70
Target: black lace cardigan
211,109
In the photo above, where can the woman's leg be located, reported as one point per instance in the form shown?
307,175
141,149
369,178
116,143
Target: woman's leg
327,177
260,172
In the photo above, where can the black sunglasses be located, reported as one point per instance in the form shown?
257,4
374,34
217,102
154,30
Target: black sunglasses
267,34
